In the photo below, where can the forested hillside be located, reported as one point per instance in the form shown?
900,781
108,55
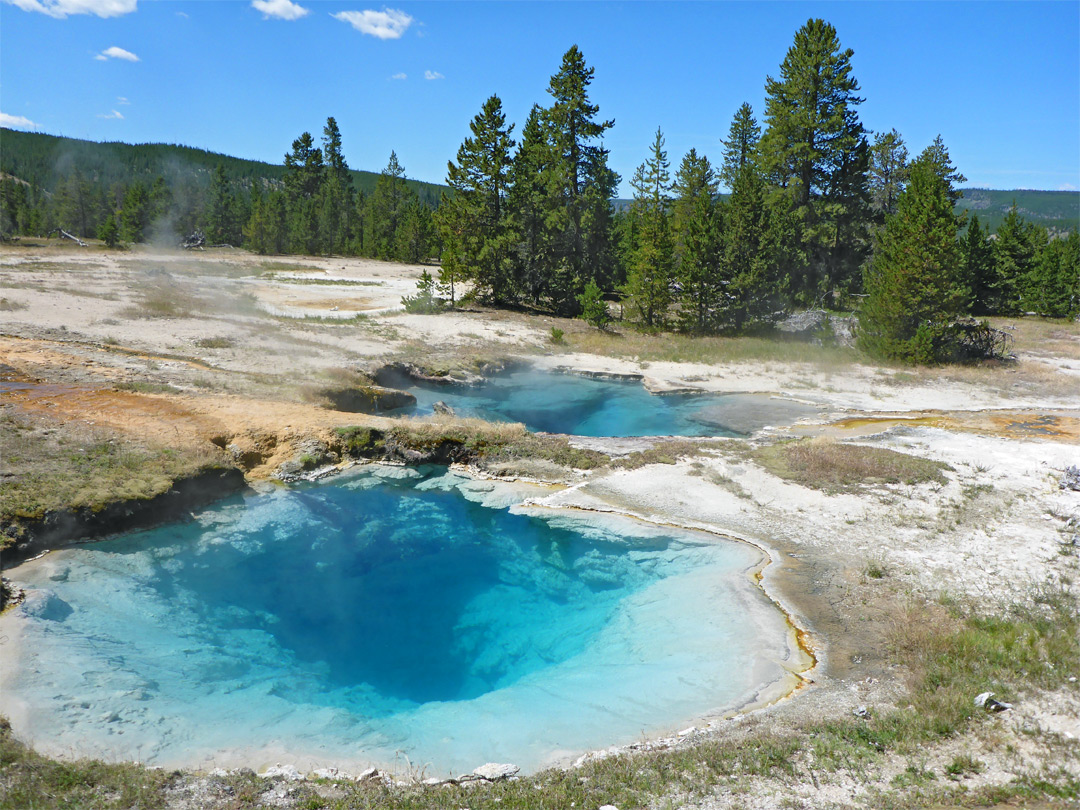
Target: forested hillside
1054,210
314,203
47,160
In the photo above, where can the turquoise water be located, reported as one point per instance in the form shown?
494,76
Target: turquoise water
391,617
588,406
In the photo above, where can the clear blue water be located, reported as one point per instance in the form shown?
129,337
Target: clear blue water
587,406
387,615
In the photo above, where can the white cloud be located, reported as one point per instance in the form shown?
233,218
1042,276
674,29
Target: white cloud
113,114
282,9
433,74
182,14
1066,187
116,53
400,76
17,121
63,8
122,100
389,23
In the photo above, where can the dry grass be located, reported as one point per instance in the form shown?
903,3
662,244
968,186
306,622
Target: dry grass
1057,337
215,343
164,298
678,348
831,466
665,452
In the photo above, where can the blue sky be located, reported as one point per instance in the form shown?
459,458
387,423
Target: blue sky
1000,81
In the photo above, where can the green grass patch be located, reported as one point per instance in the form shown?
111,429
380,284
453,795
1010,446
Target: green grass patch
28,780
47,467
833,467
141,387
215,343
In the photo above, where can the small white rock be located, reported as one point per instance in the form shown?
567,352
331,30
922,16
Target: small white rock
608,807
325,773
288,771
684,733
493,771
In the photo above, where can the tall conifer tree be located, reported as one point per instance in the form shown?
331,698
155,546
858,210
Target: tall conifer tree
914,286
888,172
581,227
534,207
1015,251
474,220
696,225
978,260
649,276
814,150
741,144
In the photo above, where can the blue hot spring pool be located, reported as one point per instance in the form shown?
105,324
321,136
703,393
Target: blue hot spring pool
588,406
394,617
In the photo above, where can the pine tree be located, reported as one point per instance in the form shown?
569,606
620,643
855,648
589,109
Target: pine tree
754,243
425,300
888,172
13,206
914,285
303,169
135,213
1016,247
336,193
302,179
1054,283
413,236
594,308
814,150
533,208
474,219
741,144
977,254
696,226
109,232
938,156
649,276
222,222
388,204
580,227
73,205
265,232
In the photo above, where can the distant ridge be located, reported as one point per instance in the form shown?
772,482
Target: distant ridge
45,160
1054,210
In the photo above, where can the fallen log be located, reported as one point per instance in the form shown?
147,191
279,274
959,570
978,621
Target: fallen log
65,235
195,240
